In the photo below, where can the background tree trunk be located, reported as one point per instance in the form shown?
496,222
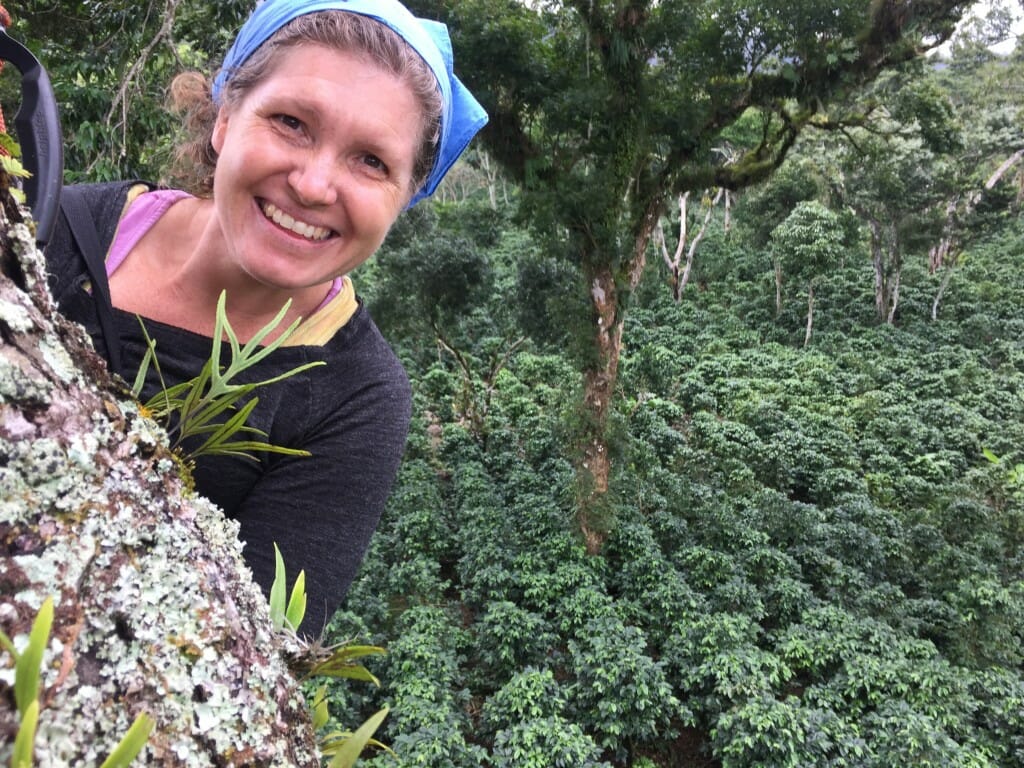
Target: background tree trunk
887,271
778,288
155,610
598,389
810,314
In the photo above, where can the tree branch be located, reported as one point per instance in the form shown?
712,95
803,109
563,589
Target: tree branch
120,100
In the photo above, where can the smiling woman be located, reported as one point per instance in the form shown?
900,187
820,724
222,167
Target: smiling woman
326,120
291,164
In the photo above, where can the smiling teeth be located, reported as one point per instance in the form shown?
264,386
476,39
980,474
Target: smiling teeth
282,219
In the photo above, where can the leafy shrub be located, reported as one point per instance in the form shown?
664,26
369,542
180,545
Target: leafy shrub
527,716
421,673
546,743
619,692
509,638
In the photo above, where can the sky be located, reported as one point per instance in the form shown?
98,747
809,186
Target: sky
980,8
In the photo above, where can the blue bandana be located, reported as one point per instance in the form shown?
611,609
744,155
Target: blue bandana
462,116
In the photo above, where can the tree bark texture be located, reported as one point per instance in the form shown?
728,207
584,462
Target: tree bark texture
887,275
598,389
810,314
608,294
680,275
155,610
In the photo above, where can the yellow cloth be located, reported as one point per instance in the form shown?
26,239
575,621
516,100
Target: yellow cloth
317,329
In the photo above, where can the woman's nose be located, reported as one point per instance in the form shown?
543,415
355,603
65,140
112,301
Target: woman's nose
314,180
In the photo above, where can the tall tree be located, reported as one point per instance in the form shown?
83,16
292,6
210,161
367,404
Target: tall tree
687,242
983,89
898,187
604,110
805,246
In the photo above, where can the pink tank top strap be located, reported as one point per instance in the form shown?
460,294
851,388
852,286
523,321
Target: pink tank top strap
140,217
143,213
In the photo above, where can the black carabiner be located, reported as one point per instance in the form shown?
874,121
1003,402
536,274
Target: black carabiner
38,124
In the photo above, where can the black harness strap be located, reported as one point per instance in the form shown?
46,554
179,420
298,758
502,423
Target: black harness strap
83,229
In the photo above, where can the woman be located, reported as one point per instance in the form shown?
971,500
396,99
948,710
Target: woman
326,120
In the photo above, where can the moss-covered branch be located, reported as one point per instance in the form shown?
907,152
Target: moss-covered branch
154,609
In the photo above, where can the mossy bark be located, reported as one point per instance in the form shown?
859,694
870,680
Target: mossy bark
155,610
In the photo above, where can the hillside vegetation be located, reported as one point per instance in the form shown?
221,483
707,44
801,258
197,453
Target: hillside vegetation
816,547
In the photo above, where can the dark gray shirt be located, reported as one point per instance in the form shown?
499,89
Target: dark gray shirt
352,415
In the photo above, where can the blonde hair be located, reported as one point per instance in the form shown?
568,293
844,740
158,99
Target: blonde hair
195,158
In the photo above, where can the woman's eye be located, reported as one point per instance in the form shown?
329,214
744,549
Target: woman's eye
375,163
288,121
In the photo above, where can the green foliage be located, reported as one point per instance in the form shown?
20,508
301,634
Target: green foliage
286,616
766,206
428,703
528,718
924,102
340,662
131,744
10,164
190,409
346,754
344,748
511,637
1014,474
621,692
22,754
29,661
550,743
28,667
111,63
814,562
809,241
604,112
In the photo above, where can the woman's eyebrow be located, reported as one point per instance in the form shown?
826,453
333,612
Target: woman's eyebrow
295,101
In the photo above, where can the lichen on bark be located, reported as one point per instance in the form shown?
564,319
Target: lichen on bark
155,610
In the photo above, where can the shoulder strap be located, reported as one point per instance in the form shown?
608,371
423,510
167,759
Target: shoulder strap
83,229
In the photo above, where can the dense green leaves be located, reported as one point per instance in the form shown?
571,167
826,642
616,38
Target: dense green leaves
812,562
111,63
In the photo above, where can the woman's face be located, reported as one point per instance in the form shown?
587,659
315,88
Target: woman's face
314,164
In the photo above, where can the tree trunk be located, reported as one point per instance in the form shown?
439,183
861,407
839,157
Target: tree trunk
941,292
894,289
878,262
938,255
691,252
778,288
154,609
941,255
598,388
810,313
599,380
887,272
679,277
491,174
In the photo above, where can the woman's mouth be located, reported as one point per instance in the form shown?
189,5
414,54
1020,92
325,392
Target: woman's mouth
283,220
